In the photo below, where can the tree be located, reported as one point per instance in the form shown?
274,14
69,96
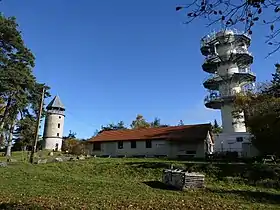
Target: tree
19,91
274,88
119,126
262,118
24,132
156,123
139,122
16,63
71,135
216,128
181,123
231,13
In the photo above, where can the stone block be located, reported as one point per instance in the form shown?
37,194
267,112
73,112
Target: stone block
183,180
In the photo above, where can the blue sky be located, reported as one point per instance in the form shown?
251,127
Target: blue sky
111,60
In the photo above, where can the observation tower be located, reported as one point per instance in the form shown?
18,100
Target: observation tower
228,61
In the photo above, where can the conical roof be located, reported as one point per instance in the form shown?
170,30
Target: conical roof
55,103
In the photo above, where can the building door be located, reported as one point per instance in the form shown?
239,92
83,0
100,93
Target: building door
56,147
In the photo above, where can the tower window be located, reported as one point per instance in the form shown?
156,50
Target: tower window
57,134
59,117
58,125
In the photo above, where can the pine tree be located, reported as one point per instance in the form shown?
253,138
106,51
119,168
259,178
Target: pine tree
156,123
275,87
216,128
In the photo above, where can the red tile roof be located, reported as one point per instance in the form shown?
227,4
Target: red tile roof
186,132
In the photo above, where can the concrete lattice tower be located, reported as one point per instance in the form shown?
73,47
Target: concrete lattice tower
54,123
228,61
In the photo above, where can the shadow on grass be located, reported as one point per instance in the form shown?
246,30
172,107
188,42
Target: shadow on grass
154,165
159,185
18,206
254,196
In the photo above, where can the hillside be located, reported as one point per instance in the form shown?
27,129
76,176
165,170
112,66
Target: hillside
119,184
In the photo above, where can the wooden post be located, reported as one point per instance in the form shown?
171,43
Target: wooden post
38,127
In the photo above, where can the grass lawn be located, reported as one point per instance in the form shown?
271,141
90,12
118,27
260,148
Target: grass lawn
118,184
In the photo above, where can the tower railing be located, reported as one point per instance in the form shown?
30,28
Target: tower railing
241,51
246,70
211,57
217,96
209,38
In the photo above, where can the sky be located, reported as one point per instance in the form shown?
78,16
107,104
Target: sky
110,60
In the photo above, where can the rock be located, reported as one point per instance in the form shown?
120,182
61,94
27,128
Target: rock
72,159
13,160
3,164
81,157
42,161
66,158
88,156
58,159
50,154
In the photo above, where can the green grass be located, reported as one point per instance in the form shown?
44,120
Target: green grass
119,184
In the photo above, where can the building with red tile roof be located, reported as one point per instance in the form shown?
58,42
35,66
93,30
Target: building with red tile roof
173,141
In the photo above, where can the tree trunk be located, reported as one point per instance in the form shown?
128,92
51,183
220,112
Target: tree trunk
5,114
9,143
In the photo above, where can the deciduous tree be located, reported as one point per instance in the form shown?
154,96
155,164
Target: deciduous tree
262,116
140,122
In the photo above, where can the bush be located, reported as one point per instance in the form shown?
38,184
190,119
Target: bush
268,183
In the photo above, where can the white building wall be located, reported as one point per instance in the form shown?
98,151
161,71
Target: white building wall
53,131
228,141
159,147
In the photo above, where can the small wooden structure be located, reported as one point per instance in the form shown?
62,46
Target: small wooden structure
183,180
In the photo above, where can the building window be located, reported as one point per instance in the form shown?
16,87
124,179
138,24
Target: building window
58,125
120,145
148,144
239,139
96,146
57,134
133,144
59,117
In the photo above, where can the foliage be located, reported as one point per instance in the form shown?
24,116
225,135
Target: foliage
262,116
274,88
123,184
119,126
231,13
73,146
140,122
216,128
20,93
70,135
156,123
181,122
24,134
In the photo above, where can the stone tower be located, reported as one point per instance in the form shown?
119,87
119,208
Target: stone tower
54,123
